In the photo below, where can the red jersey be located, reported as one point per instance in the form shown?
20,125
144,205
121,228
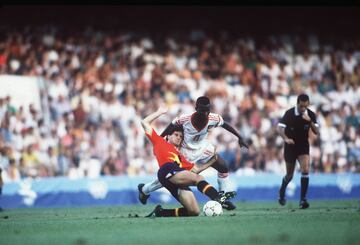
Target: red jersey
166,152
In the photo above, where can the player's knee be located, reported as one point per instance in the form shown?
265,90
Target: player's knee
198,179
289,177
305,169
220,165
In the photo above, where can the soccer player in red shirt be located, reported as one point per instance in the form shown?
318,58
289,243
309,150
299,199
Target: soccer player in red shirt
175,172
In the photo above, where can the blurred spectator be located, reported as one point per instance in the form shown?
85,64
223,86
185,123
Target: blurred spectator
30,162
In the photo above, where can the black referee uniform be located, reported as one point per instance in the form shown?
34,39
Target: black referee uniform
296,128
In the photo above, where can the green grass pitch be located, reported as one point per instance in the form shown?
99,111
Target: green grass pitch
325,222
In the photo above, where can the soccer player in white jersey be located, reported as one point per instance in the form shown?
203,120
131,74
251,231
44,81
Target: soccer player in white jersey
196,148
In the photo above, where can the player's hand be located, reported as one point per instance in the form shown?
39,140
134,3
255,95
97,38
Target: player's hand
163,109
243,144
289,141
306,117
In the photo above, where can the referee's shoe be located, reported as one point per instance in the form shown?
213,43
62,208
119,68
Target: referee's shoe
282,200
304,204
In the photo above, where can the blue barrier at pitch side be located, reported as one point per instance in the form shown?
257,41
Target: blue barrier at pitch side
122,190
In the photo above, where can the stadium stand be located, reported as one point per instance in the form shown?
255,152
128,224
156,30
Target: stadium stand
75,81
99,84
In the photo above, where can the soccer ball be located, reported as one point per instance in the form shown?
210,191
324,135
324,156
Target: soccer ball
212,208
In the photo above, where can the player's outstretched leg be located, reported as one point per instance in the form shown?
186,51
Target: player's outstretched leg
223,179
221,197
146,189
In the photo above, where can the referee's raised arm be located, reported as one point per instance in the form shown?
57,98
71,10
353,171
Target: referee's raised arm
310,117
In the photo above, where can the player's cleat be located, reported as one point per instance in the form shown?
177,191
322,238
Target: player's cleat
155,212
304,204
282,199
1,209
228,205
142,196
226,195
224,199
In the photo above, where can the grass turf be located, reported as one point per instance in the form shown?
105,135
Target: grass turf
325,222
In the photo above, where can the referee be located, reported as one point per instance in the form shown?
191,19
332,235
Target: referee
294,129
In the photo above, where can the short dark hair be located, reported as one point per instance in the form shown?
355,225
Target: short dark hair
202,104
176,128
303,98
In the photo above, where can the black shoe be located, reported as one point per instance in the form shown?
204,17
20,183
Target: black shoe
224,196
155,212
304,204
224,199
142,196
1,209
230,194
228,205
282,199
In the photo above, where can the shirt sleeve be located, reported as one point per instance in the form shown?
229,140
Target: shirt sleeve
284,121
180,120
313,118
215,120
153,137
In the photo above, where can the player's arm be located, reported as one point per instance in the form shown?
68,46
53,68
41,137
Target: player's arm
284,121
232,130
146,122
281,130
314,127
313,124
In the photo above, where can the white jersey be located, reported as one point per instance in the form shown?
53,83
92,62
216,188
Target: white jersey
195,147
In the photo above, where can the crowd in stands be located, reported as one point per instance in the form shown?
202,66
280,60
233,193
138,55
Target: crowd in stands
100,84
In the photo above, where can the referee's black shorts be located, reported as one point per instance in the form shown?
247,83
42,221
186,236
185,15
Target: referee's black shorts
291,152
165,172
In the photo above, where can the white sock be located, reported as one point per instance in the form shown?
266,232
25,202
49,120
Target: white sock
223,180
151,186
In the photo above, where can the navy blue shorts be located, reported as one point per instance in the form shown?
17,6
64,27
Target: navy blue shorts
165,172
